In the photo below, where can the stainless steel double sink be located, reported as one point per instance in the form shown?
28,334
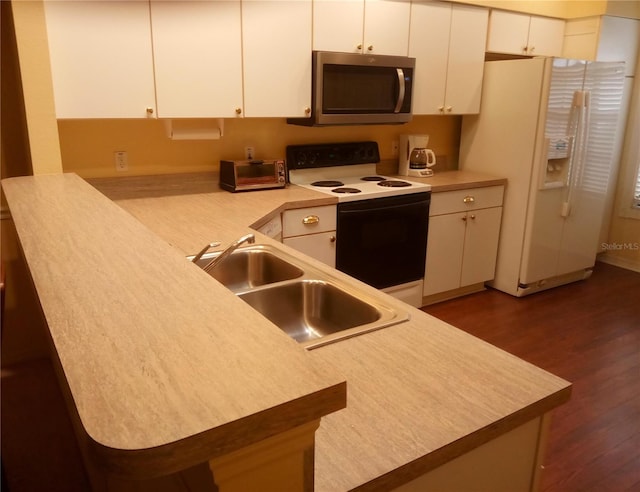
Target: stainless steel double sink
307,303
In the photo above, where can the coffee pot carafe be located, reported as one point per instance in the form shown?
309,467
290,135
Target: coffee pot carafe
415,158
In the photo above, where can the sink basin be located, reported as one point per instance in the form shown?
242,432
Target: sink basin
311,309
310,304
250,267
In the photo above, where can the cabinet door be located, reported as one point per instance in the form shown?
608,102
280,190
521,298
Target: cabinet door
428,44
508,32
466,60
448,81
320,246
546,36
445,244
197,49
337,25
480,245
276,39
386,27
101,59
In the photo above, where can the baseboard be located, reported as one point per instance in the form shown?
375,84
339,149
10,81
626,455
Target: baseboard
633,265
452,294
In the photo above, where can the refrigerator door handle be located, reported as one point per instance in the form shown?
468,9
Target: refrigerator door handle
579,126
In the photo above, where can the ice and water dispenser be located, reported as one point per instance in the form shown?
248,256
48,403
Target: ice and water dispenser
558,162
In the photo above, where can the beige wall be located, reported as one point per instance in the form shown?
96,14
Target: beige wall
623,244
565,9
37,86
88,146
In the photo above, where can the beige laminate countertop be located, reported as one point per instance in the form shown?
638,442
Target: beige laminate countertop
418,393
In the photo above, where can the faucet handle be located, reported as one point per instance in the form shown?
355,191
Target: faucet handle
214,244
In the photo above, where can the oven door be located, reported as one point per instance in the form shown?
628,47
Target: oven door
383,241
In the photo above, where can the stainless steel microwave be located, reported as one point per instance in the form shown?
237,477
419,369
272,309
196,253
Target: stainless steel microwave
359,89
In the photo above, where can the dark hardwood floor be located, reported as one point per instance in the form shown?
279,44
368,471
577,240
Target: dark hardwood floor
586,332
589,334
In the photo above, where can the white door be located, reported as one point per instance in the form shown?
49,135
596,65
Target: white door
320,246
338,25
428,44
466,59
386,27
101,59
544,234
197,48
480,245
508,32
546,36
445,244
276,40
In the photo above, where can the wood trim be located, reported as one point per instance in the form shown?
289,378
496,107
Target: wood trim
282,462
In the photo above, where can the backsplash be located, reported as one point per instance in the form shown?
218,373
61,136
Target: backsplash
88,146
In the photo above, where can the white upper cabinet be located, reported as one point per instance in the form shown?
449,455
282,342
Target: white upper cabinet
362,26
197,53
523,34
338,25
276,41
101,59
448,43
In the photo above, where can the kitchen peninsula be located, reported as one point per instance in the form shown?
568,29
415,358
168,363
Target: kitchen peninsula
165,369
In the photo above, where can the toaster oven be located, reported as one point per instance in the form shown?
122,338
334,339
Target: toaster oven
250,175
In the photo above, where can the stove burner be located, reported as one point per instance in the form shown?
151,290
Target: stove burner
394,183
346,190
327,184
373,178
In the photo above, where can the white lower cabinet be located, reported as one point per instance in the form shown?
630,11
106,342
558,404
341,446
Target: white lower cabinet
511,462
464,228
312,231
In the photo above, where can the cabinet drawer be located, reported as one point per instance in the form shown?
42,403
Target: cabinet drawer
462,200
308,220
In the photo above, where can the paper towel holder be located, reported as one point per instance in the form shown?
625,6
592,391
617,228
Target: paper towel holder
176,131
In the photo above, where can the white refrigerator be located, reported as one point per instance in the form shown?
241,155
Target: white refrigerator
547,125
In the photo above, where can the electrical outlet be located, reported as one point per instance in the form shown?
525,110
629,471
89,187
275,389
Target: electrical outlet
249,152
394,148
122,161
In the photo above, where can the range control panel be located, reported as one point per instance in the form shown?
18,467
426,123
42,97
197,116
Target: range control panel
331,155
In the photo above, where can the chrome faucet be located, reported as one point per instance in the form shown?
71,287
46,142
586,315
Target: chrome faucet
249,238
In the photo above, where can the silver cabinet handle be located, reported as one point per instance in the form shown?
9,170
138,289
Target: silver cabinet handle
310,219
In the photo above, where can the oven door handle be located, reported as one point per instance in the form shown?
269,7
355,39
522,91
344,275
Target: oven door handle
385,208
401,90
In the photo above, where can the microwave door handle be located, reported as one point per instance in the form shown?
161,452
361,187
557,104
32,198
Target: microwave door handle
401,90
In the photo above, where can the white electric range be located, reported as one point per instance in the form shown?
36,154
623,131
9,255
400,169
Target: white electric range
382,222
